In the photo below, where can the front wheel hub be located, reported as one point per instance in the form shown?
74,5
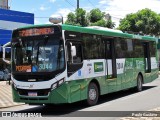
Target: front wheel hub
92,94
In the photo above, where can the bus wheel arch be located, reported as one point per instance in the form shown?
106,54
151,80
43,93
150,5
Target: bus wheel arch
93,92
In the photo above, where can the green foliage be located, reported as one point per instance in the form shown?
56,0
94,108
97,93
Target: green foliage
144,21
110,24
71,19
96,15
103,23
78,18
81,17
94,18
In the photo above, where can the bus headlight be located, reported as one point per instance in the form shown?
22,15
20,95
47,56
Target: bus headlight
61,81
54,86
58,83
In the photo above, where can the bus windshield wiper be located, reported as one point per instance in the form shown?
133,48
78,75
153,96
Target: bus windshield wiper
23,49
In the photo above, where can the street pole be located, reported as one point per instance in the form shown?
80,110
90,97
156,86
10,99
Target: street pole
77,8
77,4
62,19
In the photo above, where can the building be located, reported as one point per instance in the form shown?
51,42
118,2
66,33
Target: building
10,20
4,4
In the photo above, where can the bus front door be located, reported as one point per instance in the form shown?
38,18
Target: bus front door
147,57
111,72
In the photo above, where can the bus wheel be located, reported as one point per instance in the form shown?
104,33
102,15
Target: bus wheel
92,94
139,83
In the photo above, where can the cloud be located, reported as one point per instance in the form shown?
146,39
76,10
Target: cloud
36,22
88,8
61,12
43,8
33,10
52,1
102,1
120,8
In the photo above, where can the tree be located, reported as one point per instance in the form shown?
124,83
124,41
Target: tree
110,24
96,15
81,17
71,19
94,18
144,21
97,18
78,18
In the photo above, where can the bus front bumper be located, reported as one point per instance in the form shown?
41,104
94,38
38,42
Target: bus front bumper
56,96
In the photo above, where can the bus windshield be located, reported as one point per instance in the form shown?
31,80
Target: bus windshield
37,54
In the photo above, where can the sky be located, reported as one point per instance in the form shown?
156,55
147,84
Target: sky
43,9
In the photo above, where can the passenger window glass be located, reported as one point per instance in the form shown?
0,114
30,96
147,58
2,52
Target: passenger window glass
94,47
74,52
153,49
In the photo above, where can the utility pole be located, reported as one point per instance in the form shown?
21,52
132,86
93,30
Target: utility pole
77,4
62,19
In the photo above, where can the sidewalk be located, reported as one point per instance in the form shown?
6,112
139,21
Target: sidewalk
6,95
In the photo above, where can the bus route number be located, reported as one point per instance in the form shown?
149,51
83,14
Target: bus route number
45,66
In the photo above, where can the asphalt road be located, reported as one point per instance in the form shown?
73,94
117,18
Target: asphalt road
114,105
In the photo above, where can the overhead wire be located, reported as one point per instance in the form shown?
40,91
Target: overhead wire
45,17
14,15
69,8
48,17
70,3
91,3
24,16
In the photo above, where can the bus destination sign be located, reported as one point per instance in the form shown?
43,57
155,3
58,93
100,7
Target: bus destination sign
36,31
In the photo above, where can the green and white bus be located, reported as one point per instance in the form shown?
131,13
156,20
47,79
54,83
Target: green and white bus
54,64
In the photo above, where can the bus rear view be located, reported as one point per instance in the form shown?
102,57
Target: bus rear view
37,60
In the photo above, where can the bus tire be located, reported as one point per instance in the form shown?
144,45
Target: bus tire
92,94
139,83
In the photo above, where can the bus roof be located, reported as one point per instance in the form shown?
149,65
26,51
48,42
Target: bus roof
107,32
96,30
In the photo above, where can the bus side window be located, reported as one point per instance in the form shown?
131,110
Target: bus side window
77,58
74,57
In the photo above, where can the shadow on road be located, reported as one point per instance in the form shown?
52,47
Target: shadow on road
64,110
120,94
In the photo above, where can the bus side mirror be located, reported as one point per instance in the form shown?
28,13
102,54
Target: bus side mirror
73,51
6,46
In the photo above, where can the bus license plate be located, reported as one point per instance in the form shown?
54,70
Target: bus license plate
32,93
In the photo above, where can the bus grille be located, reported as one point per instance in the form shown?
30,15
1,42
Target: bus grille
34,98
42,92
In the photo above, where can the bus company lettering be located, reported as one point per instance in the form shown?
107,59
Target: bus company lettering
139,64
129,65
98,66
89,64
26,68
120,65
